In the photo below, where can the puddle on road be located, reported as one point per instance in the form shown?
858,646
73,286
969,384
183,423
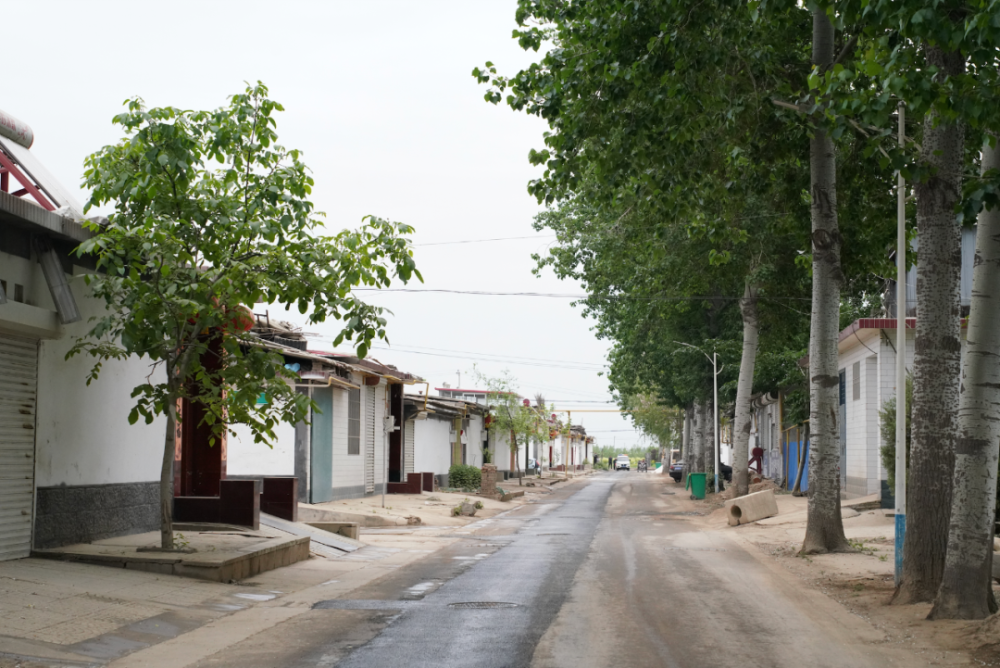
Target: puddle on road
255,597
420,589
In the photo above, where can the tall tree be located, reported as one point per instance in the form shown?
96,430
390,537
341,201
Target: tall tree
966,582
190,243
743,417
824,528
512,416
937,349
940,59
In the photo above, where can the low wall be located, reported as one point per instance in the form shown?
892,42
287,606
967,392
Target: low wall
70,514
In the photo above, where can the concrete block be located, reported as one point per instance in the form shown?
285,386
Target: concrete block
751,508
349,529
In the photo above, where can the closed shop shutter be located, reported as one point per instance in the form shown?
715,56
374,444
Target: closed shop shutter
18,371
370,439
408,430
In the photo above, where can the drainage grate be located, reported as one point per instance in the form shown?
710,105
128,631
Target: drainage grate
482,605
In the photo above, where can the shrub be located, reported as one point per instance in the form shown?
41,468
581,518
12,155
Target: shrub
464,476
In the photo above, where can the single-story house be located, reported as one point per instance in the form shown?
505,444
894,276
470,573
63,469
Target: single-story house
71,467
342,451
443,432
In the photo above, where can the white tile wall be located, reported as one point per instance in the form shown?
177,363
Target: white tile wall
432,448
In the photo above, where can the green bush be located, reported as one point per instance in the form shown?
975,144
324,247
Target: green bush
464,476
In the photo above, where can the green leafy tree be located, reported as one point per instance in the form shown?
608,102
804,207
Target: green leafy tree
511,416
210,214
887,428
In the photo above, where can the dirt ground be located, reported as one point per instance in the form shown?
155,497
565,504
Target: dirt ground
862,581
435,508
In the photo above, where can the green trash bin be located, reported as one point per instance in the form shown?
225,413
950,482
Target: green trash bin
696,483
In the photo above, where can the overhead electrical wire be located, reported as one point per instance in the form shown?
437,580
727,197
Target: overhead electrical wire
556,295
482,241
504,357
480,359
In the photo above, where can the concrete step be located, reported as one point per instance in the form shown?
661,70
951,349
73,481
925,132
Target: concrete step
333,541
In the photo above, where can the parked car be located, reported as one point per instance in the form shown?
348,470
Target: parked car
623,462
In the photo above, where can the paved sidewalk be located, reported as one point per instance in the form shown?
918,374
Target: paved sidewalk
68,614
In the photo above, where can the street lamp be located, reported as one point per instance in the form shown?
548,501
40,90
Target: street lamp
715,404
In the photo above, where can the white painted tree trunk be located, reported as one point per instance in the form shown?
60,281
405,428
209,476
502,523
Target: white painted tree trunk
744,389
936,357
966,581
824,528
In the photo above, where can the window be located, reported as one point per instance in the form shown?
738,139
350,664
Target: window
354,422
856,371
19,293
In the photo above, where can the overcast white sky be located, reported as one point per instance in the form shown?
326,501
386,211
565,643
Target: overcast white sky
378,94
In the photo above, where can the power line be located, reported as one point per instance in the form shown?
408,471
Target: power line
501,357
480,359
487,357
556,295
482,241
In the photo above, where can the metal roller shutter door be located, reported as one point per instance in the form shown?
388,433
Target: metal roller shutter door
18,371
408,429
370,440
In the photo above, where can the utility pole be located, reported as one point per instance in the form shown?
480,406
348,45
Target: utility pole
900,356
714,359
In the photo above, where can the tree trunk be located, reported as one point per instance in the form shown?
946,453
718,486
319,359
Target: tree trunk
527,446
686,445
966,590
824,528
744,388
167,479
517,462
698,439
936,354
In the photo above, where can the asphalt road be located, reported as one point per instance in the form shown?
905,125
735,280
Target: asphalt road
609,572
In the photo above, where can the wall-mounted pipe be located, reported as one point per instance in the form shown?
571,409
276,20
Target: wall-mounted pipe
55,278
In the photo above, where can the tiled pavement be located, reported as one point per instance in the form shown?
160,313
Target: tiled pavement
73,614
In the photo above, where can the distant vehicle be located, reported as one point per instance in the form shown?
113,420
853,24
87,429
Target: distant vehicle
623,462
532,464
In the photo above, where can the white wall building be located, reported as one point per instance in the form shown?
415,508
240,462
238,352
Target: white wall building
71,467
